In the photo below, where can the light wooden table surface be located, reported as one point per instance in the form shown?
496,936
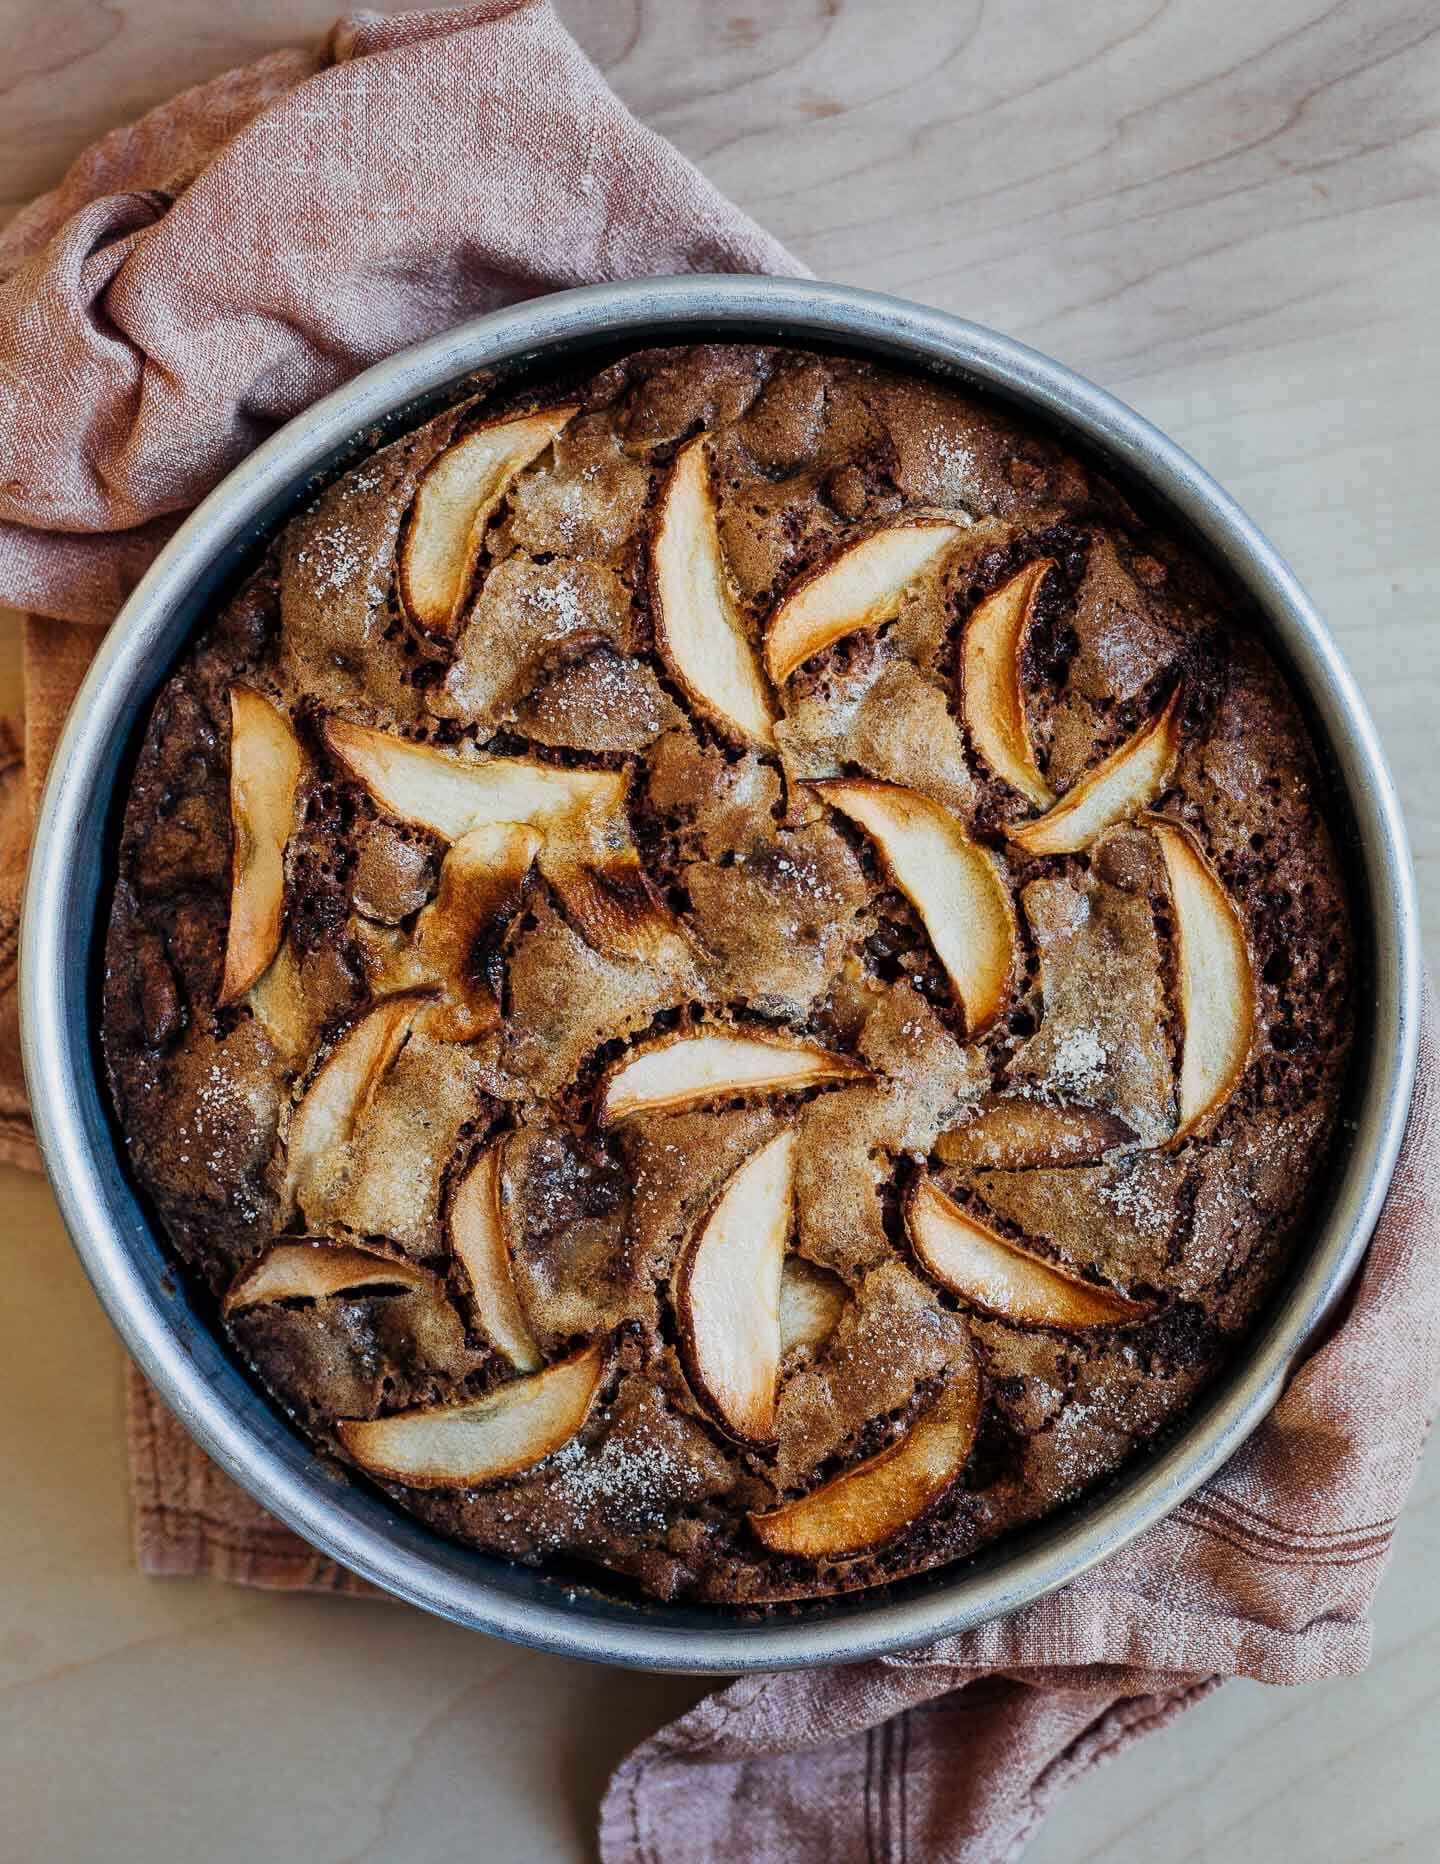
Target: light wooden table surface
1228,214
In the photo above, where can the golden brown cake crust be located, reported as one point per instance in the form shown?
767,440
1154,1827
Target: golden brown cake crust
730,883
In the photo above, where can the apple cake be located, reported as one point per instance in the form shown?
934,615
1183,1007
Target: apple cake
731,971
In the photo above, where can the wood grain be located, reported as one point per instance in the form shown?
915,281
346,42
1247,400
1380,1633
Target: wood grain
1229,215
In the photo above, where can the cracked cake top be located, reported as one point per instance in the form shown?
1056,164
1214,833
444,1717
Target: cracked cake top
733,971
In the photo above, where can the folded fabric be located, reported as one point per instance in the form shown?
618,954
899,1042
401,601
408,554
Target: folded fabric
196,279
200,276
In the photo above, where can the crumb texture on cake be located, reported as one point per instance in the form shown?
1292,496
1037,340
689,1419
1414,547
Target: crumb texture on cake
730,970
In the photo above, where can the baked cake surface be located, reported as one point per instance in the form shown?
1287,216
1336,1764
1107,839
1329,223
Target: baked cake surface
733,970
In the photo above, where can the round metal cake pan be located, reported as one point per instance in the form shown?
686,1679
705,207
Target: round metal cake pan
64,926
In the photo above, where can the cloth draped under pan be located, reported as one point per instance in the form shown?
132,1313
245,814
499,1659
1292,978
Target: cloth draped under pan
197,278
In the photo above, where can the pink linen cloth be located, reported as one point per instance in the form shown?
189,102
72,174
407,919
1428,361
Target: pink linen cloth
197,278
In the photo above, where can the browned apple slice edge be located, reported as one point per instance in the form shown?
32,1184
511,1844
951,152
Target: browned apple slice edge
479,1243
862,585
954,884
265,763
458,494
449,794
1216,979
727,1292
616,909
1001,1277
1012,1133
1119,786
341,1089
314,1268
481,1440
688,1070
871,1504
699,629
588,855
481,887
992,693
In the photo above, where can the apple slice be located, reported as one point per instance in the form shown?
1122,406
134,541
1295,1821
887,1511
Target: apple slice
1217,979
992,696
881,1497
616,910
954,884
727,1292
698,625
860,588
315,1270
264,775
459,1446
811,1303
683,1071
482,880
454,502
998,1276
1120,785
342,1089
479,1244
588,856
1013,1134
278,1000
450,794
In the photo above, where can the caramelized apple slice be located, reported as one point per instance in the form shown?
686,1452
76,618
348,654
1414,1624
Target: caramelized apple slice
683,1071
342,1089
698,625
277,998
459,1446
860,588
315,1270
480,1245
456,499
1120,785
998,1276
482,880
727,1293
992,695
811,1303
1013,1134
588,856
881,1497
1217,980
264,773
952,882
450,794
615,909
